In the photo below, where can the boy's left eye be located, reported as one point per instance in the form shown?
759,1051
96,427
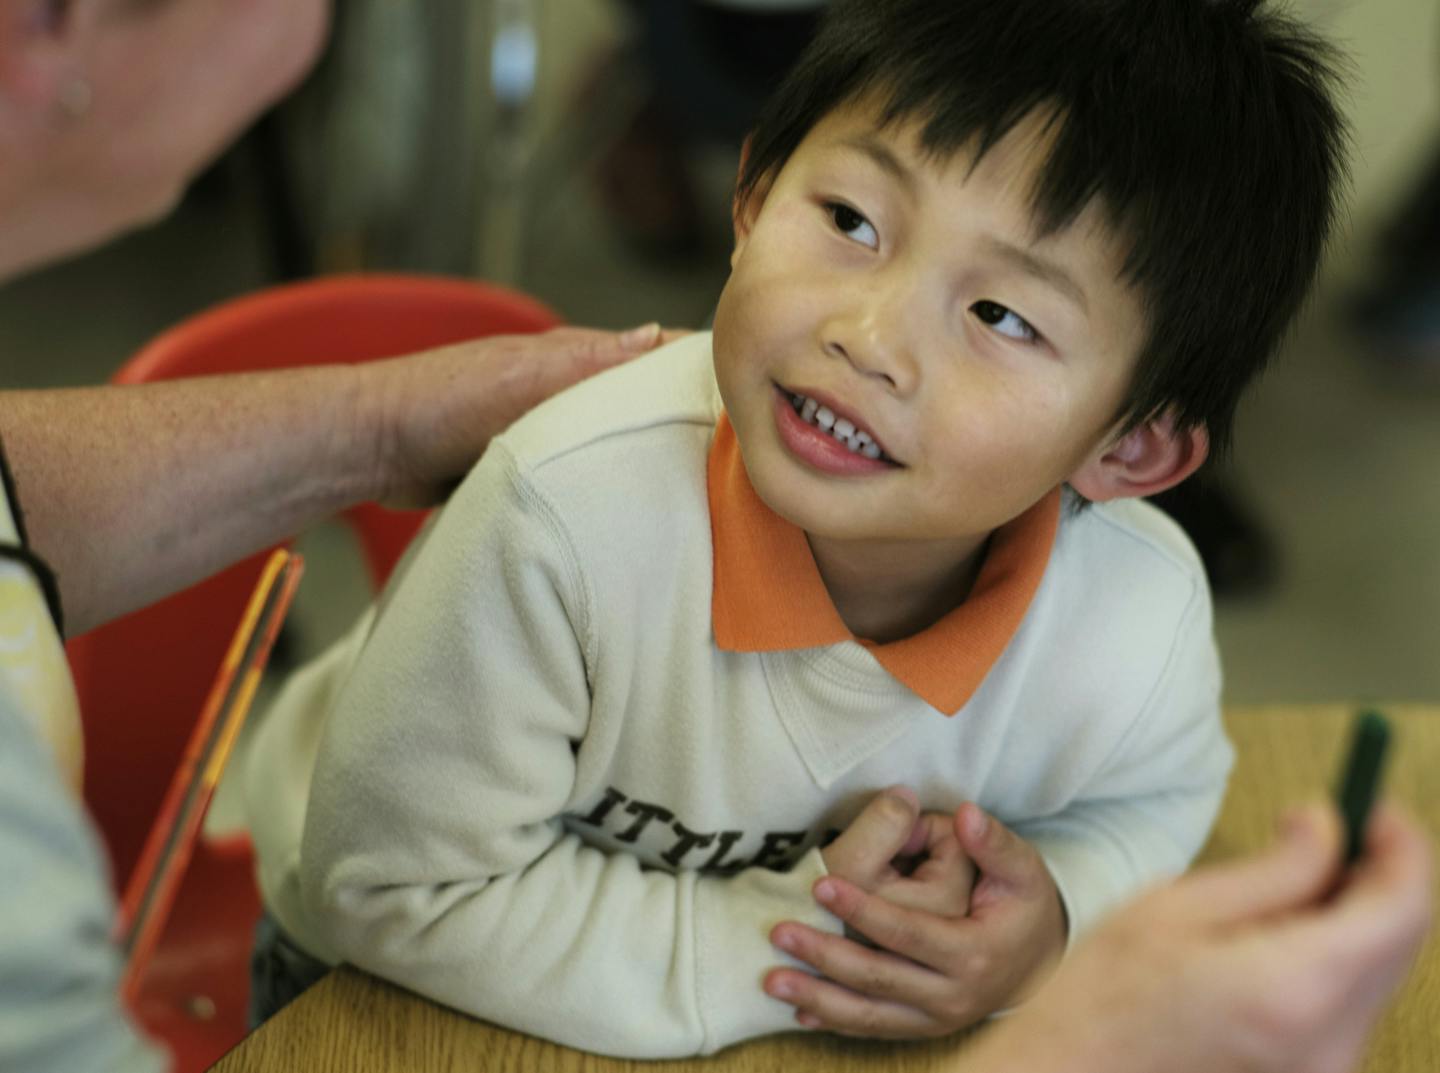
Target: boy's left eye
1005,321
852,225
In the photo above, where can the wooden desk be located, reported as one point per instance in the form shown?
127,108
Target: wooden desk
351,1023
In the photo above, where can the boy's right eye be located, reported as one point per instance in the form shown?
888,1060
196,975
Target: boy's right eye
852,225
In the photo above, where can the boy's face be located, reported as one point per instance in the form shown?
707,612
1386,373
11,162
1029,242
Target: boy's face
909,296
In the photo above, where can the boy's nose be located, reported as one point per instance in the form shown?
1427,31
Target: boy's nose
867,337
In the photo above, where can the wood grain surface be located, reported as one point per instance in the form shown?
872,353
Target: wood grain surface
352,1023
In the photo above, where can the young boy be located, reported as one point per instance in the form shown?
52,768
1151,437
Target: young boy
993,259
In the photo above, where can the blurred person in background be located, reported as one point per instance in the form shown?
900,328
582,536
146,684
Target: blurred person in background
707,66
107,108
1397,312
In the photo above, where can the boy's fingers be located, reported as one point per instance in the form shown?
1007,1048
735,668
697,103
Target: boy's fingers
923,937
1295,872
997,851
875,837
873,973
942,883
825,1005
924,836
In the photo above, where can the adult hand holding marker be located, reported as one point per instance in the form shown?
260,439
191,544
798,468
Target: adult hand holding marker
1278,961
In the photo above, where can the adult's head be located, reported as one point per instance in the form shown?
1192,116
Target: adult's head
109,107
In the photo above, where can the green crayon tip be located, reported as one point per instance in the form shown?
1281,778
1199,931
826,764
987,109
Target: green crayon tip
1369,736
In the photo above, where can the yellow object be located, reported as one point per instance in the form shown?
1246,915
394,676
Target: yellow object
32,660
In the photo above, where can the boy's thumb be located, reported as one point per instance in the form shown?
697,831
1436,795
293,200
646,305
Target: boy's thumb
997,851
875,837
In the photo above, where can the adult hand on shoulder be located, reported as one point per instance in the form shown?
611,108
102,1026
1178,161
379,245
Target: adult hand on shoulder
1259,966
441,408
945,960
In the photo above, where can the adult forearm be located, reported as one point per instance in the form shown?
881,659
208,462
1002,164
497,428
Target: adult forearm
134,492
1038,1044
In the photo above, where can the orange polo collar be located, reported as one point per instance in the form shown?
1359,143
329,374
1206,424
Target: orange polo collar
769,597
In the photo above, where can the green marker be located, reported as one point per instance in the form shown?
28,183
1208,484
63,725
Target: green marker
1361,778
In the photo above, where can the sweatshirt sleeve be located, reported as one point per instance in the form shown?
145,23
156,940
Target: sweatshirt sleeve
434,854
1148,809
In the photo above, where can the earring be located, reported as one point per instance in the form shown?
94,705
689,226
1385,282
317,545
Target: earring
75,97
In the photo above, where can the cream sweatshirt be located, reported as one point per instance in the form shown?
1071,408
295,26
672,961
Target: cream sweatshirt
530,786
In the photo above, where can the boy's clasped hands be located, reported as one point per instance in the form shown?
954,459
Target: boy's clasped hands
948,917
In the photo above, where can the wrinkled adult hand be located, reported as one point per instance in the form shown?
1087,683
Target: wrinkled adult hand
947,956
440,409
1278,963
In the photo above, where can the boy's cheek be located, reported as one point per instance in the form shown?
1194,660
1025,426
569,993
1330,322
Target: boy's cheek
774,303
751,318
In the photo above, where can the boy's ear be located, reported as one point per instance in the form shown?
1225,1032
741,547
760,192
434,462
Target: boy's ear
1146,460
744,210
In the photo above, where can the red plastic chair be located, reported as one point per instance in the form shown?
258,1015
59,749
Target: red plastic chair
143,679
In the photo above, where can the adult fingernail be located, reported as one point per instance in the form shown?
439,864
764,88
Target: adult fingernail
825,892
782,989
809,1020
642,337
786,942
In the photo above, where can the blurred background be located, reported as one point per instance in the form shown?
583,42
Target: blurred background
583,151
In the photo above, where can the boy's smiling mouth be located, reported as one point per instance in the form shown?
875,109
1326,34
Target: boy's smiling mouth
827,440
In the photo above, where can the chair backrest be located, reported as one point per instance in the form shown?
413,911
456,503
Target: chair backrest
143,679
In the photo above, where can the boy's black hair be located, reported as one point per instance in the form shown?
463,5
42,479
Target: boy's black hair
1207,129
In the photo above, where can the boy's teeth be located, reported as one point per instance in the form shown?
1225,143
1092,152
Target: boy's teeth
812,413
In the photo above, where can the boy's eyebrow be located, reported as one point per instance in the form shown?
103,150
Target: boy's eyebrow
882,156
1047,271
1025,260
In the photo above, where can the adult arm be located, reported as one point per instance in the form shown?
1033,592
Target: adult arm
1257,966
434,851
132,493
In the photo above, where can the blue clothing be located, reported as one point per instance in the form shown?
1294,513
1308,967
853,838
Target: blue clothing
59,968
